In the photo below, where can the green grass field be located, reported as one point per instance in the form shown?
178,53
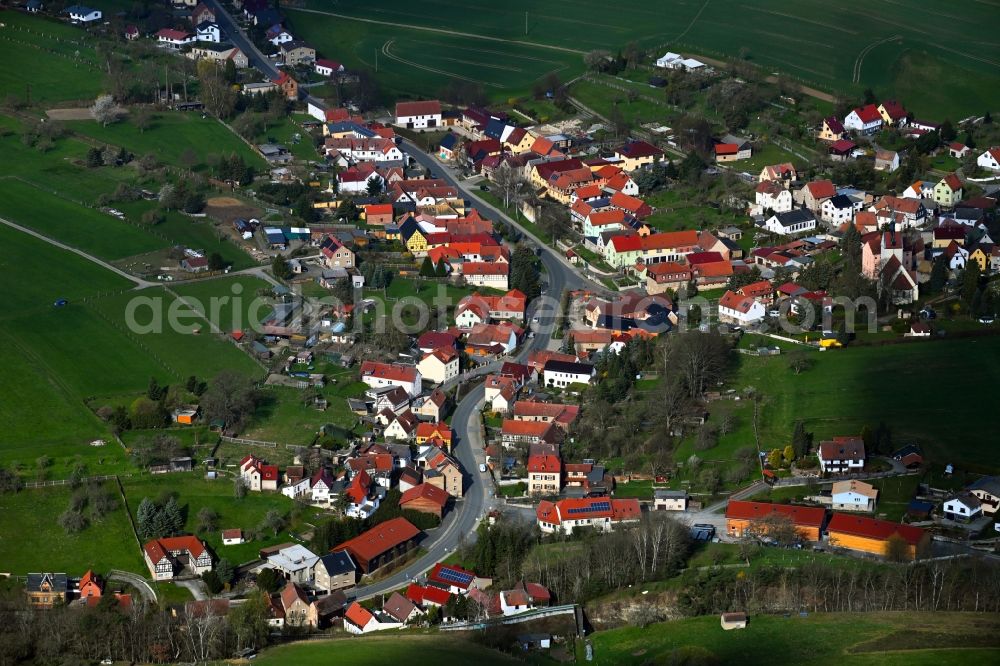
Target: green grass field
883,638
31,540
46,59
283,417
927,393
504,47
384,649
84,228
170,137
231,302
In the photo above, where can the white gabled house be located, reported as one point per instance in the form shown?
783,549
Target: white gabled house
793,222
963,506
83,14
418,115
853,496
770,195
209,32
742,310
990,159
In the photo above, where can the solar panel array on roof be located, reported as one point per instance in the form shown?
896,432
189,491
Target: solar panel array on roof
452,576
596,506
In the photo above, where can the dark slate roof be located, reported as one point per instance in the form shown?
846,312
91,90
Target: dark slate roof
57,580
841,201
448,141
337,563
795,217
568,367
494,128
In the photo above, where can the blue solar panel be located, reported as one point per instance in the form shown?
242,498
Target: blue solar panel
453,576
596,506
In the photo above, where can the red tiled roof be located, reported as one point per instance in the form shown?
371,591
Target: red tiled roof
358,615
427,492
544,463
757,289
803,516
953,181
379,539
484,268
842,448
822,189
440,430
422,108
627,243
232,534
158,548
546,512
524,428
868,113
635,149
894,109
734,301
388,371
726,149
872,528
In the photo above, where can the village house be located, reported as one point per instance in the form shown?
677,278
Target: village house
297,53
665,276
258,475
637,154
169,557
599,513
841,455
740,310
962,507
439,366
295,604
783,173
360,620
561,374
987,490
294,562
523,597
869,535
853,495
832,130
795,221
864,120
418,115
544,469
990,159
814,193
669,500
376,374
948,191
886,160
334,571
47,590
744,518
232,537
770,195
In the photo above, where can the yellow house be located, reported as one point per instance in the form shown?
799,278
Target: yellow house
832,130
520,141
413,237
637,154
948,191
980,258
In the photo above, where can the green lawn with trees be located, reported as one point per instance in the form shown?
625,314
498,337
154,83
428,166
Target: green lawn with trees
33,539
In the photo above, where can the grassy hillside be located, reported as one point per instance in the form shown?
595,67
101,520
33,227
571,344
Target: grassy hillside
928,393
884,638
941,60
384,650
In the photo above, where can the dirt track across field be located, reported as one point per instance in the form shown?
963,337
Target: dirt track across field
69,114
224,202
